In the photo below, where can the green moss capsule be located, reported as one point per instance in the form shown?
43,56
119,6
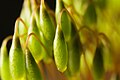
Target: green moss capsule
47,27
98,64
36,11
25,16
33,44
65,24
60,50
17,64
47,51
90,16
33,72
103,58
75,51
107,51
4,60
62,17
16,58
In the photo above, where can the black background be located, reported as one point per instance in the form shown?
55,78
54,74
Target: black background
9,11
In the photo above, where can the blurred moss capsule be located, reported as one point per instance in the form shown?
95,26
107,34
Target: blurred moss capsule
33,72
60,50
90,16
103,58
98,64
4,60
75,51
89,43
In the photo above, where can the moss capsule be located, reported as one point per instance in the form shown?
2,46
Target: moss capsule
60,50
4,60
33,44
98,64
47,27
75,51
16,58
33,72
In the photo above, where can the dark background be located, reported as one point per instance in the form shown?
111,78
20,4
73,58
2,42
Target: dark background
9,11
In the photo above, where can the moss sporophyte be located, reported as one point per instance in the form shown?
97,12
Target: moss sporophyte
77,40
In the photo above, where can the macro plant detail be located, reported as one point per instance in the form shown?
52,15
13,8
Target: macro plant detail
79,40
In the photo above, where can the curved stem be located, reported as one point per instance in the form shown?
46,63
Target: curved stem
59,19
93,32
16,25
26,45
104,39
22,35
74,15
6,40
34,4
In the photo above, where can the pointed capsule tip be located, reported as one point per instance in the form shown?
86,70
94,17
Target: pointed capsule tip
62,70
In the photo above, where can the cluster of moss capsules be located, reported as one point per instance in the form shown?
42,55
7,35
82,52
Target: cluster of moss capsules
60,45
